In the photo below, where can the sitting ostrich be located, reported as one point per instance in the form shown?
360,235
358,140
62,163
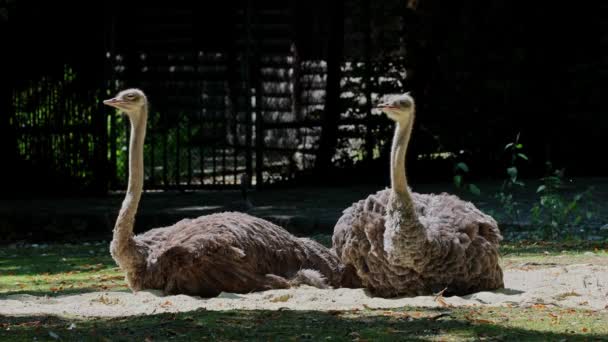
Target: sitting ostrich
402,243
229,251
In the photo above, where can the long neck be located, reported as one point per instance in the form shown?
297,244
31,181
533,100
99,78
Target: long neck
403,131
404,236
136,162
123,244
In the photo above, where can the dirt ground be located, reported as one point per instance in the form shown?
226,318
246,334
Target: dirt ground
583,286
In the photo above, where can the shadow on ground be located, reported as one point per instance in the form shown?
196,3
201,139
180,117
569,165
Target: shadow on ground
301,210
291,326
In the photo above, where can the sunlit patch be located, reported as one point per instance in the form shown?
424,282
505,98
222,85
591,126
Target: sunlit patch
435,156
199,208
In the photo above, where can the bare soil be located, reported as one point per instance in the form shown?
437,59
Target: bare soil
583,286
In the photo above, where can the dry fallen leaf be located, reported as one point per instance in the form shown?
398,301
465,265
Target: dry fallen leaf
483,321
166,304
281,299
438,316
442,302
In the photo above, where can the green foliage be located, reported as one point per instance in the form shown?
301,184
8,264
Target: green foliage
555,214
506,196
515,150
54,126
460,170
509,205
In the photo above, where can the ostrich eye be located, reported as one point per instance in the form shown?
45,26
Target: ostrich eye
130,97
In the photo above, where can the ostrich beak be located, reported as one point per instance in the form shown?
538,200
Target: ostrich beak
115,102
385,106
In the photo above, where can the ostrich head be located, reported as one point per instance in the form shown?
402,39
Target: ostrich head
398,108
130,102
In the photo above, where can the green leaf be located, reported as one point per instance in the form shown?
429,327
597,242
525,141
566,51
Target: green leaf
570,207
474,189
541,188
508,145
458,181
519,146
512,171
462,166
522,156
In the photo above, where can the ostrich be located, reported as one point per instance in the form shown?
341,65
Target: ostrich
230,251
402,243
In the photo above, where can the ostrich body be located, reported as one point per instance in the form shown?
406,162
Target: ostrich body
401,243
229,251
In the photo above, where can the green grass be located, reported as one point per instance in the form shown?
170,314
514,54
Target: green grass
58,269
543,254
64,268
544,248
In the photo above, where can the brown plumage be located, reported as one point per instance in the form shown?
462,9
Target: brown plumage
229,251
405,244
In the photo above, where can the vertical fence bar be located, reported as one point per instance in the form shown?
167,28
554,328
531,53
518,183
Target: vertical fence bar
113,158
331,113
247,78
192,111
188,146
165,152
233,98
225,121
8,142
201,149
259,132
177,149
102,171
152,145
367,50
213,119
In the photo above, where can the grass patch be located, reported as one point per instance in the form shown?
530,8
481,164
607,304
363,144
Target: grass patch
58,269
546,254
544,248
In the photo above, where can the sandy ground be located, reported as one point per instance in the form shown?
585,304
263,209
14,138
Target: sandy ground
575,286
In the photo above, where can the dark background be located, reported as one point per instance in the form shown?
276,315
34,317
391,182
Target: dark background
481,72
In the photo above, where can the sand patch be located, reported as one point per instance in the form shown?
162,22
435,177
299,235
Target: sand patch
576,286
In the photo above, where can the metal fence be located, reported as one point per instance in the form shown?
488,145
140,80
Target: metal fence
282,90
